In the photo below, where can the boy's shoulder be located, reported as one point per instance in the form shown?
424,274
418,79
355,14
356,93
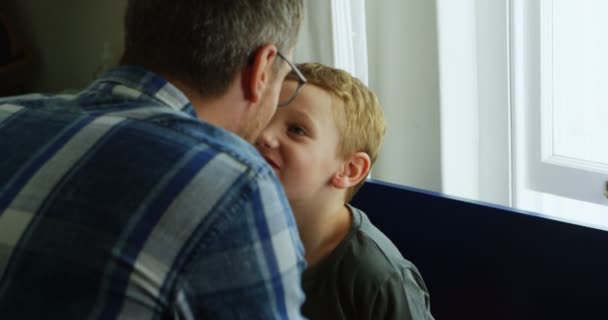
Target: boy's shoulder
374,256
365,277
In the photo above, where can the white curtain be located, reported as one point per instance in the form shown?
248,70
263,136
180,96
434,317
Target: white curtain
475,127
333,33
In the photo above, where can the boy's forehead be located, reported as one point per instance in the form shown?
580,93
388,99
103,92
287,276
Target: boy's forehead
313,99
317,105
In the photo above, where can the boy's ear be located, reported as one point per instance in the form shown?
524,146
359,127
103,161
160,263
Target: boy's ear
259,73
354,169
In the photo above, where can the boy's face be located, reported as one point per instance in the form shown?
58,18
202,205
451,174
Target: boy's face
301,143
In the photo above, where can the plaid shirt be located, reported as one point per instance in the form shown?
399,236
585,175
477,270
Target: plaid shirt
118,202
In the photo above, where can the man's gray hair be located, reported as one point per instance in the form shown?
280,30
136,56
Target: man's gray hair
204,43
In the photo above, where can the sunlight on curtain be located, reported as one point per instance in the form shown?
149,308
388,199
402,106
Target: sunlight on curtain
333,33
350,42
315,41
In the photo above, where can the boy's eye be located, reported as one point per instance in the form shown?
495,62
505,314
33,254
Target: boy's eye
297,130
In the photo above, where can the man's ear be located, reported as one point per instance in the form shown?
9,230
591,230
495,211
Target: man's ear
354,169
259,73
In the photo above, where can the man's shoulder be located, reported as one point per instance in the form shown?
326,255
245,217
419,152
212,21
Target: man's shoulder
33,100
139,127
231,148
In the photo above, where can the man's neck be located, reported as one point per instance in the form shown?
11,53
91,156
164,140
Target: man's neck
222,111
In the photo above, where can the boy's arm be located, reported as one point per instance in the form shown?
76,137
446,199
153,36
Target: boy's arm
253,269
403,296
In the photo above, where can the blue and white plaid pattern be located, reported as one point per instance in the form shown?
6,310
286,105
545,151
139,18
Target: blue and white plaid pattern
118,202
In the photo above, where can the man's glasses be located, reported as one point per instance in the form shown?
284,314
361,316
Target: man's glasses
301,81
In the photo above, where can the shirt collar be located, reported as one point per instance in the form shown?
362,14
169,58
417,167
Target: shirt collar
147,83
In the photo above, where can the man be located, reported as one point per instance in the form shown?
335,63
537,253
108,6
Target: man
138,197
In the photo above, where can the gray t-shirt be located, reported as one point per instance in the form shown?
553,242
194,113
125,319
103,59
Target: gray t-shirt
365,277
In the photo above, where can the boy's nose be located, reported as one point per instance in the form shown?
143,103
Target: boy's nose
267,140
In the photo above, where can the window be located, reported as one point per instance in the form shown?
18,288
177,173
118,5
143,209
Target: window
523,105
559,105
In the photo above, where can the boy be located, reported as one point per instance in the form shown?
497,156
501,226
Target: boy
322,147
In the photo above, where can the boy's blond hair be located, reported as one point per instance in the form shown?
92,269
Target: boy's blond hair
358,113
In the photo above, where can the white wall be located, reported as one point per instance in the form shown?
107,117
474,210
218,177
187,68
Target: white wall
73,40
403,70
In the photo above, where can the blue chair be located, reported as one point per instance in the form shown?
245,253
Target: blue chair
488,262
